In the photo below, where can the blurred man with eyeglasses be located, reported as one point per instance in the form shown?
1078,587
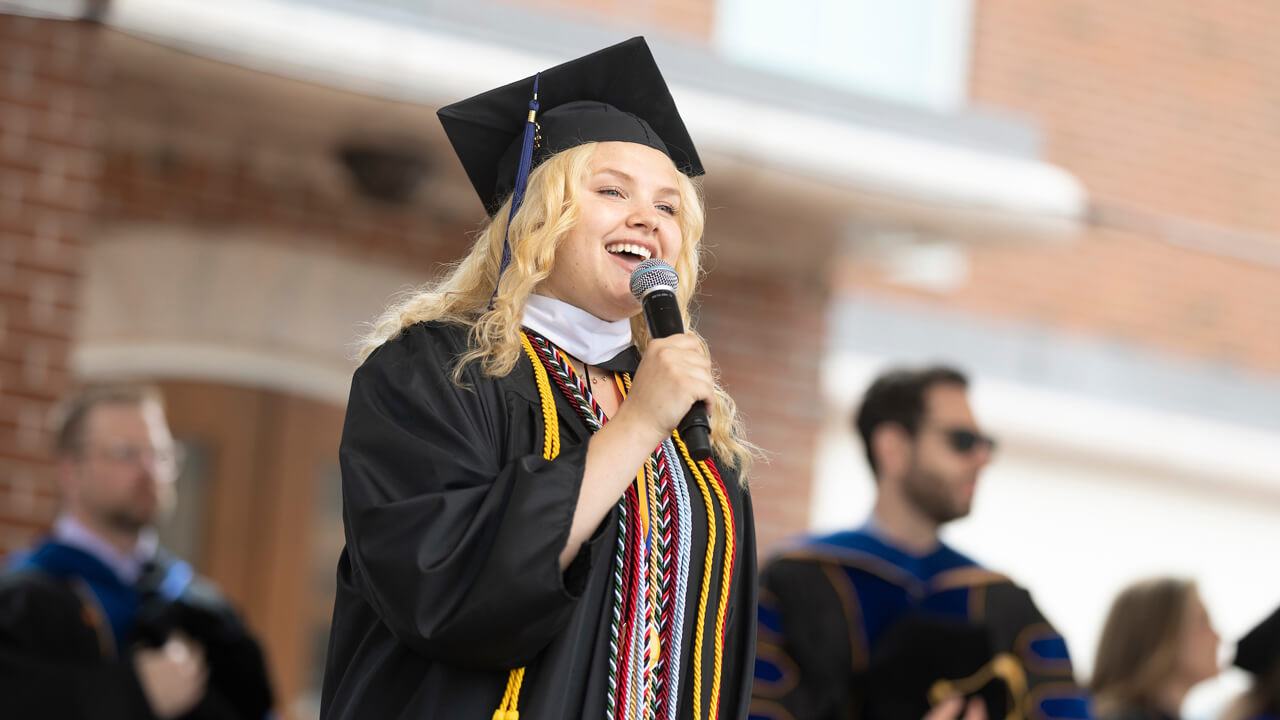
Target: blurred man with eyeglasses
886,621
97,621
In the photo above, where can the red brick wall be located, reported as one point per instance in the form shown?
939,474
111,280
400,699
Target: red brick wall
1169,105
1167,112
193,190
1117,285
50,136
71,165
766,331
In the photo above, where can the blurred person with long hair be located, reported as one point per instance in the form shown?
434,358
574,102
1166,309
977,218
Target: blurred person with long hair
1258,653
525,533
1156,644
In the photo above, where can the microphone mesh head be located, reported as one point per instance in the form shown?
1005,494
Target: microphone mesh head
652,274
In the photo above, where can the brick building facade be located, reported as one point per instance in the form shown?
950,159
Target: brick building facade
50,170
1166,113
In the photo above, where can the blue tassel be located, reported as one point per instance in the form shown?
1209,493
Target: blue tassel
522,182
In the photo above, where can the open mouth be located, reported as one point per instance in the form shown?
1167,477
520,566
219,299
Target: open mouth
632,253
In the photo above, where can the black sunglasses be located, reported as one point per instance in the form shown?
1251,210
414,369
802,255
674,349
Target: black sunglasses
965,441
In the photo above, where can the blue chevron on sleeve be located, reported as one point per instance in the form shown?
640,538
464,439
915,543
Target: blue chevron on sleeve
1060,702
768,618
1050,648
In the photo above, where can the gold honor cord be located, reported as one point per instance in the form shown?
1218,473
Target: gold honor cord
701,472
508,709
1003,666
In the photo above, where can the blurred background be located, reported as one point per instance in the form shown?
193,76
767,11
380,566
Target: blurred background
1075,201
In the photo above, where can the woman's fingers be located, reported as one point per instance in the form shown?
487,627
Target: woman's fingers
674,373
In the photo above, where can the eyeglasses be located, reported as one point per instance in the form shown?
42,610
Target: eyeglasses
133,456
965,441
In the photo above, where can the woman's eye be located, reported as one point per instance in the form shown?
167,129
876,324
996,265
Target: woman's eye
610,191
668,209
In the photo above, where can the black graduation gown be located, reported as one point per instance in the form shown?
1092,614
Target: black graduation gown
454,524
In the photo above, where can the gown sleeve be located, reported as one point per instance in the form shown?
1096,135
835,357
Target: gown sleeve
804,652
1018,626
455,537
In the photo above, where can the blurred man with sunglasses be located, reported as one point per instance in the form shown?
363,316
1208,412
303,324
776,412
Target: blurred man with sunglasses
97,621
886,621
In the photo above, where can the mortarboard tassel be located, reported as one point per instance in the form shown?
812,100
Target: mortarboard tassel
522,182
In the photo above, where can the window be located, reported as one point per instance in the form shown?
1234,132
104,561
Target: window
908,51
182,529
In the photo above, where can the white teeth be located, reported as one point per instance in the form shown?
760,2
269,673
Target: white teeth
643,252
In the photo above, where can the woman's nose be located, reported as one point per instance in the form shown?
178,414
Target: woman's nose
643,216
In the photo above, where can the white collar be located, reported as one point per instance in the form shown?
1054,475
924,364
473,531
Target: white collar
576,331
127,566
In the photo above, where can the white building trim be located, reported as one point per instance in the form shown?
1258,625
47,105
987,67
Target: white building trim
216,306
211,362
420,65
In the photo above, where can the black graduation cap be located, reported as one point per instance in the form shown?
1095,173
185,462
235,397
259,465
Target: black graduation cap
614,94
1259,650
921,660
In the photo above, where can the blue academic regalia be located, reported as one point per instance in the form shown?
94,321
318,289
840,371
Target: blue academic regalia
851,627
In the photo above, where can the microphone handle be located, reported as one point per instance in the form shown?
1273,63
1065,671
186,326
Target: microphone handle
662,313
695,430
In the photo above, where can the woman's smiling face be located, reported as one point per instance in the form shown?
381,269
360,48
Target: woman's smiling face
628,212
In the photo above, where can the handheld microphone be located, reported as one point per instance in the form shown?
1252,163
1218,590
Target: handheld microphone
654,284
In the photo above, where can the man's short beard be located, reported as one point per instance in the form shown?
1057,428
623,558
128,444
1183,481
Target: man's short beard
927,492
126,521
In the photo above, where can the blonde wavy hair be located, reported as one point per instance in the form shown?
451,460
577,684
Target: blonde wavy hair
549,211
